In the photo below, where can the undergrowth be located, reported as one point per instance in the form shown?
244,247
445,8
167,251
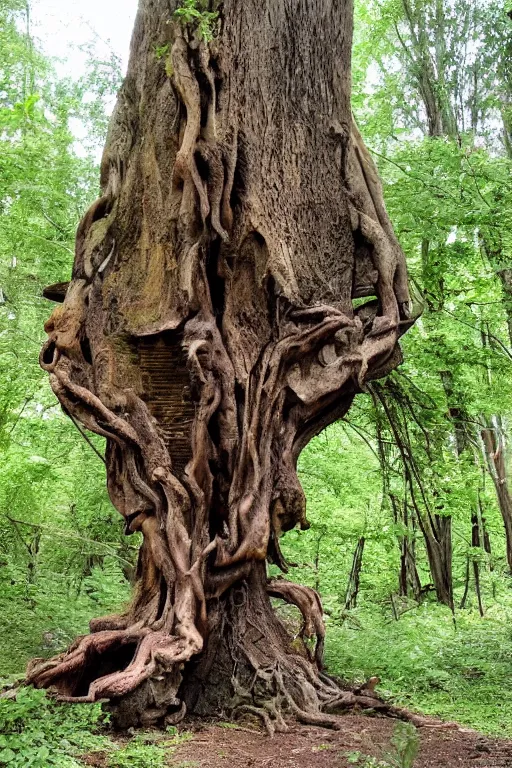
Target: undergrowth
405,744
43,618
426,661
37,732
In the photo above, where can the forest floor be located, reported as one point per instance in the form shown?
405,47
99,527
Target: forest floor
360,739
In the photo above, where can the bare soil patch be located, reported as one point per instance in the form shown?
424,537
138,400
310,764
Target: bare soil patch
217,746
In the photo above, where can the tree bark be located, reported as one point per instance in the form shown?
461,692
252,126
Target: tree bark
208,332
495,455
409,582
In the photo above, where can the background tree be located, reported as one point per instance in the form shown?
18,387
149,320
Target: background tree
439,65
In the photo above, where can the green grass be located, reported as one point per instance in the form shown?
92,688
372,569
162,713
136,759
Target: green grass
426,662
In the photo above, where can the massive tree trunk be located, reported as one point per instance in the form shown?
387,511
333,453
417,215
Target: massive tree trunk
208,332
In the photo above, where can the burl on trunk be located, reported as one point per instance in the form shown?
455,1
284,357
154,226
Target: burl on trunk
208,333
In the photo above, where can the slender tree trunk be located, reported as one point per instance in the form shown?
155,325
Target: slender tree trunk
409,583
494,450
476,543
408,579
208,333
484,532
439,551
465,447
355,576
435,528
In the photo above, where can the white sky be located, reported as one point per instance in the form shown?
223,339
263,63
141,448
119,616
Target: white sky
63,25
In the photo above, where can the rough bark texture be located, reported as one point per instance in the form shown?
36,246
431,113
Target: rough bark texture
208,332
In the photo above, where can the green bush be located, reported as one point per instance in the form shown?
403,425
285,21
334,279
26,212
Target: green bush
453,670
37,732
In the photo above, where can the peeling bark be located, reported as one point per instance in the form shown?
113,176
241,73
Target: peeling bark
208,333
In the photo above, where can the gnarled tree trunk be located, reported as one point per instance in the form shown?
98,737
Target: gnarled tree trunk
208,332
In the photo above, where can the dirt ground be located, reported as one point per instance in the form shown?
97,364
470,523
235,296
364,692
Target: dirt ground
307,747
244,746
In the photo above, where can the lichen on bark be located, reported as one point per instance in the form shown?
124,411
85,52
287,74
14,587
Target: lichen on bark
208,333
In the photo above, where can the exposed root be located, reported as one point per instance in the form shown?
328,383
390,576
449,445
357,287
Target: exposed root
268,680
324,714
258,712
69,666
309,604
185,166
272,680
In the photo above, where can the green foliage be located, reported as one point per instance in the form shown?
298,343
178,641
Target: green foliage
138,754
38,733
364,761
196,14
450,670
147,750
405,742
60,563
161,51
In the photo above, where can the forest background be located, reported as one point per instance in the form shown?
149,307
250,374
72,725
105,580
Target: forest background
409,496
